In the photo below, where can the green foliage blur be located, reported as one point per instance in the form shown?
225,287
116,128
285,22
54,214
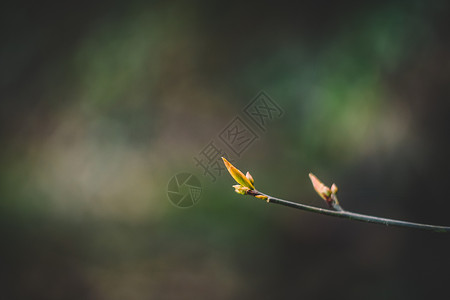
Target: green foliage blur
102,103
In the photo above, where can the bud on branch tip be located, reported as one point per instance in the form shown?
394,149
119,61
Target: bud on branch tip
321,189
245,181
327,194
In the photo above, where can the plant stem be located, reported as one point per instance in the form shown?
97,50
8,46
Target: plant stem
351,216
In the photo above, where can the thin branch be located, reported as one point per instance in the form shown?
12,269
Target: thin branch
246,187
349,215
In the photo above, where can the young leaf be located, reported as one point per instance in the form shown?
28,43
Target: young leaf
249,177
241,189
238,175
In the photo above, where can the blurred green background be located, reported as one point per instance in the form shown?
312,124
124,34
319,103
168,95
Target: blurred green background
102,103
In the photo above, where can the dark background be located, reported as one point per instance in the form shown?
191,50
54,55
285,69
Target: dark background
102,103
